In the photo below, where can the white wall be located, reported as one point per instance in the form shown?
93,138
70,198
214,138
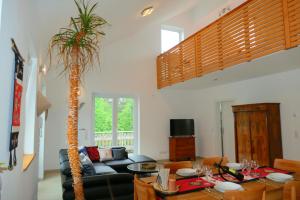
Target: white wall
16,22
282,88
128,67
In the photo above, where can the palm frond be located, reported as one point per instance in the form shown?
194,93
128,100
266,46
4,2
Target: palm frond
84,32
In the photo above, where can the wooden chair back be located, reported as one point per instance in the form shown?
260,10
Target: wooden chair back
288,165
143,191
257,193
291,190
174,166
210,161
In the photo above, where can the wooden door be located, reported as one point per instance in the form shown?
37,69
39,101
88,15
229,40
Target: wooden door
242,135
259,137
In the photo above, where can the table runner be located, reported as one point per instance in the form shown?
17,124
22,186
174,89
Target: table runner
253,175
186,186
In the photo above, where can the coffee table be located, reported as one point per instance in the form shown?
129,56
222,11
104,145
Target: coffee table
137,168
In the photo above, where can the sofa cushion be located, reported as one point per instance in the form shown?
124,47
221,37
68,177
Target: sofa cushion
93,153
119,164
82,149
99,187
64,162
119,153
101,168
87,165
105,154
140,158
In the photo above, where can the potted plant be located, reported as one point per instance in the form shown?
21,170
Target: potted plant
77,46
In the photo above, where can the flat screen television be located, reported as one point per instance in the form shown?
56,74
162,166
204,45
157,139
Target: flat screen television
181,127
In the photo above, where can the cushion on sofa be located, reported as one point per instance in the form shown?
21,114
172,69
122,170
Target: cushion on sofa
119,153
140,158
87,165
101,169
105,154
118,163
64,162
82,149
103,187
93,153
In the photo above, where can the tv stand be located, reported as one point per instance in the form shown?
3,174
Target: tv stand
182,148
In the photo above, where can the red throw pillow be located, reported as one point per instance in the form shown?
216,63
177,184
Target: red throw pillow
93,153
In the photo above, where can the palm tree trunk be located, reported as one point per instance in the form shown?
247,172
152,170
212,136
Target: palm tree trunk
73,125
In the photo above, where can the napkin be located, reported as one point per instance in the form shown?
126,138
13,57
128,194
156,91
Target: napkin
163,178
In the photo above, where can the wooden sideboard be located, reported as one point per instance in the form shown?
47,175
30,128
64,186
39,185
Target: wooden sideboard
182,148
258,132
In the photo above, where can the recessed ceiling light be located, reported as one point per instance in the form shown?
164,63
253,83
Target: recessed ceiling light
147,11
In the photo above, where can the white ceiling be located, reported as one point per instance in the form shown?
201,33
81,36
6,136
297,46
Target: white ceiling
123,15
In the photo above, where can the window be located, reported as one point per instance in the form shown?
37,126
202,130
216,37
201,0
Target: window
115,121
30,108
170,37
0,12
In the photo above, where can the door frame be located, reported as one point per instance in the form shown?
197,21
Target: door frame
136,120
219,120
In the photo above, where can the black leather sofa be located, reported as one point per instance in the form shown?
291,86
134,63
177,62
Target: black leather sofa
103,180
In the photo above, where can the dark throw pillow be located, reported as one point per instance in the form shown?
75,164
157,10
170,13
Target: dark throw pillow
93,153
87,165
119,153
82,149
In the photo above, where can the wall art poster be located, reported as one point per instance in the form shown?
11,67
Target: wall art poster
16,113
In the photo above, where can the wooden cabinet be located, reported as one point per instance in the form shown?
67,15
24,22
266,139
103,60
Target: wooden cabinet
182,148
258,132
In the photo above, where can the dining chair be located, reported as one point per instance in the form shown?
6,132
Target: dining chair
257,193
288,165
174,166
291,190
143,191
210,161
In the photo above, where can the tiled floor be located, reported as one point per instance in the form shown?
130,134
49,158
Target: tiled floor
50,187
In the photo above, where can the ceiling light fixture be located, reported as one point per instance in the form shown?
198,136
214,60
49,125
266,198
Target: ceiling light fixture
147,11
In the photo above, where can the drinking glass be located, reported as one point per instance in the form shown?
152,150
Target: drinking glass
255,166
199,168
244,164
208,172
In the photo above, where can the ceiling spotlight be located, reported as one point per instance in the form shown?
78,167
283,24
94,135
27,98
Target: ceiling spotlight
147,11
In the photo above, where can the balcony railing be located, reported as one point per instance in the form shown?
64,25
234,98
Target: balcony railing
125,139
254,29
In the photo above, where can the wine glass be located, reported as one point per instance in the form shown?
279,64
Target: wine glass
199,168
208,172
255,166
244,165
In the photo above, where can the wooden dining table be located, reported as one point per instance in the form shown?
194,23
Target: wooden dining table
274,190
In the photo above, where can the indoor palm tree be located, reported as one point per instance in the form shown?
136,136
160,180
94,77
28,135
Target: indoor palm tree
77,47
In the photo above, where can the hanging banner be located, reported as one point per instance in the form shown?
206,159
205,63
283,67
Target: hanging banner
16,114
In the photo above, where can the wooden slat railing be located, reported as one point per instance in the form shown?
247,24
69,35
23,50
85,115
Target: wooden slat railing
254,29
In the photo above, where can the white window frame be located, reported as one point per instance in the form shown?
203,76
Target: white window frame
115,97
179,30
30,107
0,13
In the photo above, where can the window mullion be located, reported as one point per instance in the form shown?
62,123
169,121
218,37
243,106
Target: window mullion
115,121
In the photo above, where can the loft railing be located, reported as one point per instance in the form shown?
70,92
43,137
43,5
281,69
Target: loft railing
254,29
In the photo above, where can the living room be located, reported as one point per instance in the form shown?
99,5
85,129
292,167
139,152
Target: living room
127,69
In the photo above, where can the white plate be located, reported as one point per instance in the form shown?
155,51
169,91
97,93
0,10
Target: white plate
236,166
225,186
279,177
186,172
